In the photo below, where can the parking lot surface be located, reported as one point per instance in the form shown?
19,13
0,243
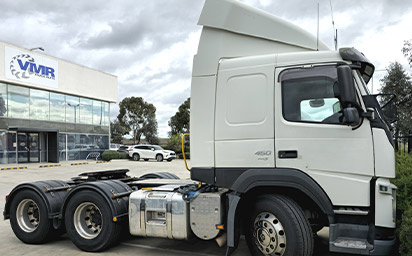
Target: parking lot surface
10,245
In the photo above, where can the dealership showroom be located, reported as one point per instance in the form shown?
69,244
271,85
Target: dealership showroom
51,110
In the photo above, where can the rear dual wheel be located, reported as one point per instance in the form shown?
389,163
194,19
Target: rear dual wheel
278,226
89,223
29,219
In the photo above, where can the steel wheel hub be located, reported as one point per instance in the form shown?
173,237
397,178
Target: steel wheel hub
269,234
28,215
88,220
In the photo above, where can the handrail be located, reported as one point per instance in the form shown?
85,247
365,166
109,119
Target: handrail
183,149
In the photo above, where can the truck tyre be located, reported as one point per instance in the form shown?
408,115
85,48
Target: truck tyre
159,158
136,157
89,222
278,226
28,218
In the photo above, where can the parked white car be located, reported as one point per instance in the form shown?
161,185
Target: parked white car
146,152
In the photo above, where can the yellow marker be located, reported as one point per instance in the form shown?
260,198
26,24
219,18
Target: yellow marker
114,219
220,227
147,189
183,149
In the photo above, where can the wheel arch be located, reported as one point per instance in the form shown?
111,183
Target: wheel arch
52,199
291,182
119,206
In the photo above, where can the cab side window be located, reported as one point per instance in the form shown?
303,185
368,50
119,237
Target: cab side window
311,95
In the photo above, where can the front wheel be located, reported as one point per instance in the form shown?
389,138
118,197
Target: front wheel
278,226
159,158
136,157
89,223
29,219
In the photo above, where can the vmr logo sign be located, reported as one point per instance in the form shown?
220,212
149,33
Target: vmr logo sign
31,68
27,67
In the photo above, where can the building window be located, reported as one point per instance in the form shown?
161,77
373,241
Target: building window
86,111
18,104
72,109
57,107
98,111
106,114
3,99
62,147
39,104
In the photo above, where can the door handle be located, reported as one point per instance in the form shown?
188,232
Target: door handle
288,154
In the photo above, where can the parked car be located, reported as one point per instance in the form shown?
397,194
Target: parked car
114,147
125,149
146,152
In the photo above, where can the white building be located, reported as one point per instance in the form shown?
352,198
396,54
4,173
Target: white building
51,110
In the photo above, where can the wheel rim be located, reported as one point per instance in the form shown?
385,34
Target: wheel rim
135,157
159,158
88,220
269,235
28,215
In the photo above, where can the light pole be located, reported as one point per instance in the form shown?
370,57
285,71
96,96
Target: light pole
74,108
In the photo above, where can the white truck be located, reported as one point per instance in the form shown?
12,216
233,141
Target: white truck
285,140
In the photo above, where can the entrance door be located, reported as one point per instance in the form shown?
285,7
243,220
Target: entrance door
28,147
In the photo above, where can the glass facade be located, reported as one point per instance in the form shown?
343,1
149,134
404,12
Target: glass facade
81,146
19,102
39,104
27,103
57,107
13,146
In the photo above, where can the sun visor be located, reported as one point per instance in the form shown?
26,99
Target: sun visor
351,54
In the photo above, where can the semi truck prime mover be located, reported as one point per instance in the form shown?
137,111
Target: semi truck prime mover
285,140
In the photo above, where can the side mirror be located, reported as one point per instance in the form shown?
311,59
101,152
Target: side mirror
347,87
351,116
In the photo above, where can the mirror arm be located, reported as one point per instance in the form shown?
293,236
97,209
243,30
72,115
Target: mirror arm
369,114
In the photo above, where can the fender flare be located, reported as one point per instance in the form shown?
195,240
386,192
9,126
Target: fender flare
272,177
52,199
288,178
119,206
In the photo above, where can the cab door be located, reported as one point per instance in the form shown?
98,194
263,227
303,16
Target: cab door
310,134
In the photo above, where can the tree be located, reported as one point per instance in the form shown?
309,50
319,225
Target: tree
117,131
139,118
175,143
407,50
398,82
180,122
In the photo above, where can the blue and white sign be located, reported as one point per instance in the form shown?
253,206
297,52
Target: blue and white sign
27,67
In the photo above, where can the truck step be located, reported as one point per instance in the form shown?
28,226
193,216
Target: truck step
348,243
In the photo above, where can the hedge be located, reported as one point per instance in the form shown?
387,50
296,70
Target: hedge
110,154
403,181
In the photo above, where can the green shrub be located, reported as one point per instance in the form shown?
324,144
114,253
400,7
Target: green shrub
109,155
403,181
405,233
180,156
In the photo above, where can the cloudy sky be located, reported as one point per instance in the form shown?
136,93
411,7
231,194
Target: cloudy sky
149,45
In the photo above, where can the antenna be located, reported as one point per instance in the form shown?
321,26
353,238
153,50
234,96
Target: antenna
335,31
317,37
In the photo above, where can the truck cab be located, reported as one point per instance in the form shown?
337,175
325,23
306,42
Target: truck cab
273,110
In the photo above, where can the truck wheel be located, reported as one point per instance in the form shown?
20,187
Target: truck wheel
159,158
278,226
28,218
136,157
89,223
